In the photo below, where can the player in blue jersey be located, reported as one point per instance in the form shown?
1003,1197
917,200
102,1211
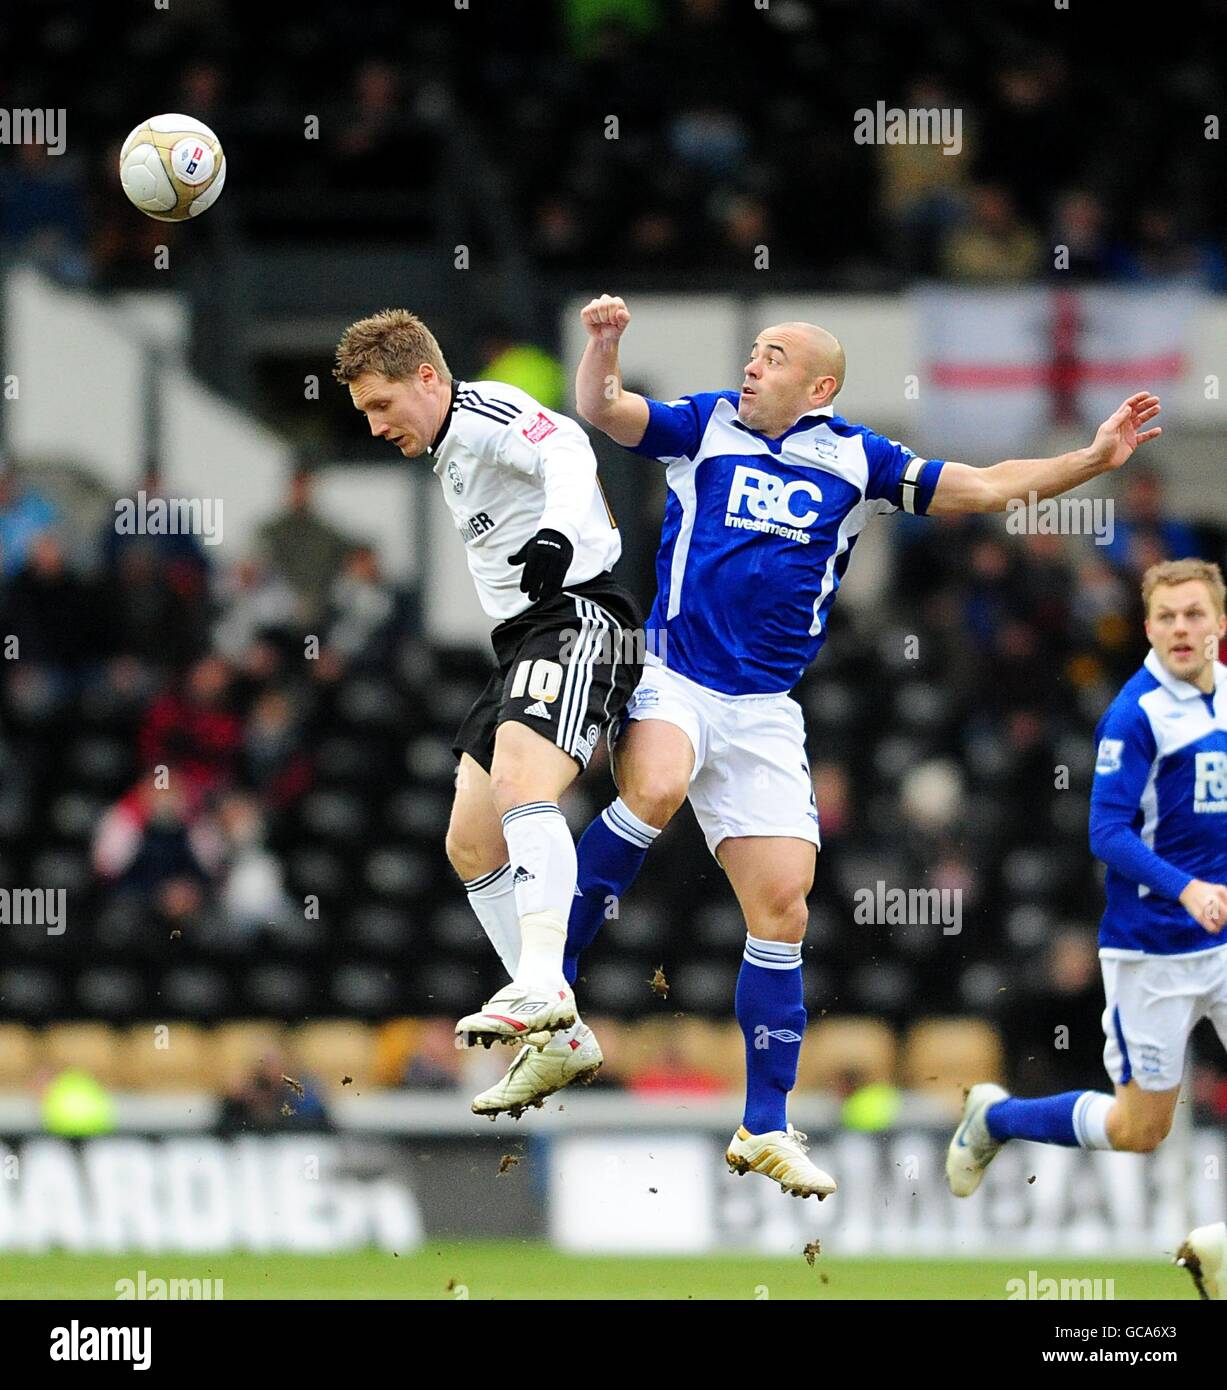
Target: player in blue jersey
768,490
1159,823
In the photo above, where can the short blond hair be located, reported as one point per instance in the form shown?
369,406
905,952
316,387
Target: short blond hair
1169,572
394,343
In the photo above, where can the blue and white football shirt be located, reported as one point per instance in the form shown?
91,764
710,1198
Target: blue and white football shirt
758,533
1159,809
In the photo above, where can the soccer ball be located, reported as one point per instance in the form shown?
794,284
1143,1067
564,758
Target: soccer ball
172,168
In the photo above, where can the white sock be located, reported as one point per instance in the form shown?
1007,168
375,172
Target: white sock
1091,1119
493,901
543,875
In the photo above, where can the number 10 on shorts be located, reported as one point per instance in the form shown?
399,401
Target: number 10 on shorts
541,679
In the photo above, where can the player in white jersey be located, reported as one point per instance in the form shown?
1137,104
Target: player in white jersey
520,482
768,489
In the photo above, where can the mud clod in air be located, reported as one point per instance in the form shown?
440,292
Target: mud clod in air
507,1163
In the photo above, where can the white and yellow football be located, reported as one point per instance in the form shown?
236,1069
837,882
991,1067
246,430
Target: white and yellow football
172,167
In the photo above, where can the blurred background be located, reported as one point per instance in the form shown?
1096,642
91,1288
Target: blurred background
275,902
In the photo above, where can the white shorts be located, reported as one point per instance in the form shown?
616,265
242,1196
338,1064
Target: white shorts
751,775
1153,1004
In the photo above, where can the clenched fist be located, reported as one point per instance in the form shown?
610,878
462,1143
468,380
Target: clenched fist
1206,903
605,318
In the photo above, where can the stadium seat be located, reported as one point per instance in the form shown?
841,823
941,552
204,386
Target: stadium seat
841,1052
392,1044
395,872
180,1058
94,1047
376,926
111,992
362,987
20,1049
944,1056
715,1048
333,1049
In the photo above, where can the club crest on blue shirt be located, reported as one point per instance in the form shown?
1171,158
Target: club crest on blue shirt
1109,756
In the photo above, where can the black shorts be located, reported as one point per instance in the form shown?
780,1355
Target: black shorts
566,668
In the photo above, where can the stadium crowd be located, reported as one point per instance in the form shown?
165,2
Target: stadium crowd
617,138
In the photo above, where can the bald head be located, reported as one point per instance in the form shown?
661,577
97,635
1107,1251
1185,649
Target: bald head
794,368
826,353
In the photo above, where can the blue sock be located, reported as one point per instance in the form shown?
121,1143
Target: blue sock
1050,1119
611,852
771,1011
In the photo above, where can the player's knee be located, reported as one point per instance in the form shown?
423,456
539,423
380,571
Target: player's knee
654,795
465,855
781,915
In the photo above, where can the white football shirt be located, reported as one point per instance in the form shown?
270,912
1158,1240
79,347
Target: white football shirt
510,468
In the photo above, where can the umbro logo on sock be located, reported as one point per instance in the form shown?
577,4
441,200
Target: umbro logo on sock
522,875
539,710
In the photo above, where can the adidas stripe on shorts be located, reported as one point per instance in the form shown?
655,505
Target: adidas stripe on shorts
566,669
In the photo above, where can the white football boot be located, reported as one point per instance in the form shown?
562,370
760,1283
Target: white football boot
973,1148
1204,1255
779,1155
535,1074
514,1013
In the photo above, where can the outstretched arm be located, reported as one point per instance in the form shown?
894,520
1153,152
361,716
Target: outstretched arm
964,489
622,415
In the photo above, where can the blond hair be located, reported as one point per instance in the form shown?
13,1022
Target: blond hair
394,343
1181,572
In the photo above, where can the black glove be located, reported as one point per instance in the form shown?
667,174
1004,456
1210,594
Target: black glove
546,560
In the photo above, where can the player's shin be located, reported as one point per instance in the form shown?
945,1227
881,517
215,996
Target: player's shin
492,898
543,875
610,854
1074,1119
771,1012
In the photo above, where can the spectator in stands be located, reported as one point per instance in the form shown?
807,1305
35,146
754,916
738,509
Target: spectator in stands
42,214
194,727
303,550
435,1064
270,1101
252,887
182,559
508,357
992,245
156,844
1144,532
1162,250
1078,225
670,1074
924,191
361,610
52,616
275,759
148,614
24,515
257,606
